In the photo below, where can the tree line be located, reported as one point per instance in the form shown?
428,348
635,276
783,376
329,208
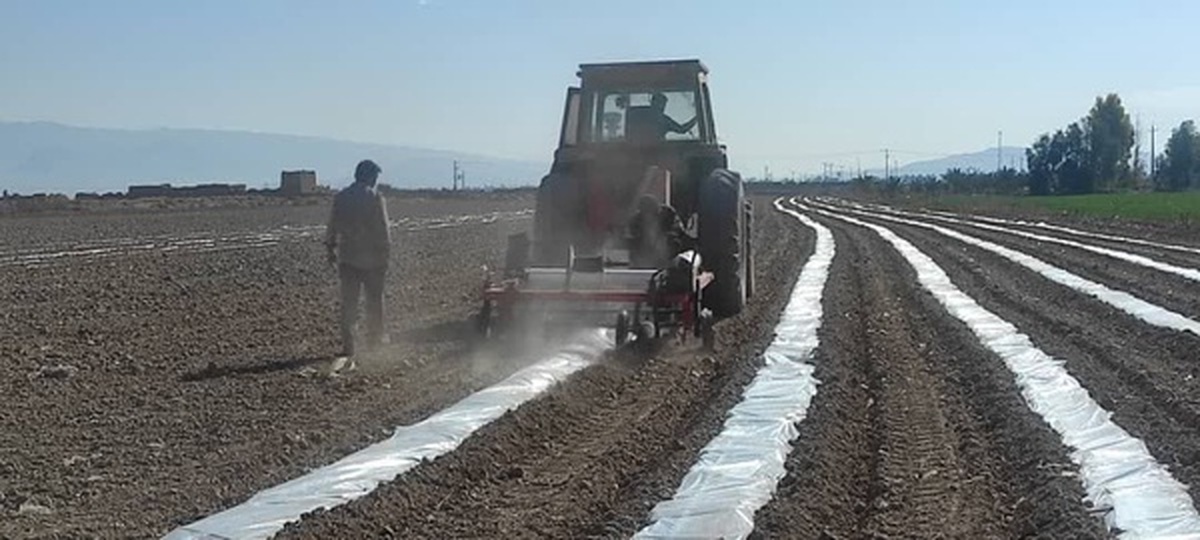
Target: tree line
1096,154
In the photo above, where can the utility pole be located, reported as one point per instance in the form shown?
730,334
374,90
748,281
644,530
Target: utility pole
887,163
1153,156
858,164
999,147
460,177
1137,146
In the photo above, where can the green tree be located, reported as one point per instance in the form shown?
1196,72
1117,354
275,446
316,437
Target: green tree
1060,164
1075,175
1179,165
1041,169
1110,143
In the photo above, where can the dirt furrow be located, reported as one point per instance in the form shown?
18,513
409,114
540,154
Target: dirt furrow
592,457
1170,231
1146,376
1171,256
919,471
1167,290
916,430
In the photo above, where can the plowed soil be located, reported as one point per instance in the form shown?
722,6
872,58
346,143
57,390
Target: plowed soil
157,368
1147,376
144,389
592,457
1164,289
1177,257
916,430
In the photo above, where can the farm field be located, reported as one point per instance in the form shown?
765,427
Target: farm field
162,368
1157,209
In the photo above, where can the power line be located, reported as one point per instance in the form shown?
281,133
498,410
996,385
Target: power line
925,154
846,154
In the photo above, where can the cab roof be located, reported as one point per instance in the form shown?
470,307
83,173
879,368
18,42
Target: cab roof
656,72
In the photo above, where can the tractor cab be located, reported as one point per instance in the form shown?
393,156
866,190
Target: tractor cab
632,129
634,135
639,103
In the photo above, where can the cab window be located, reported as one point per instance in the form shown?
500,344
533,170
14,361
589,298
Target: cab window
646,116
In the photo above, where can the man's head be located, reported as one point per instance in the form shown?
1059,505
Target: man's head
367,172
658,102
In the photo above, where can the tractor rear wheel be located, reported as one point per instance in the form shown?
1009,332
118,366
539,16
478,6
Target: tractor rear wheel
748,252
722,224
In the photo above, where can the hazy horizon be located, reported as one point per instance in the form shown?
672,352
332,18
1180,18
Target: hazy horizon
794,86
41,157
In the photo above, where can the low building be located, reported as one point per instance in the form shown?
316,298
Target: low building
210,190
155,190
202,190
301,182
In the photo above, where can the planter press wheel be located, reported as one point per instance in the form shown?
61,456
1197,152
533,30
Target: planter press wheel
646,331
622,328
643,329
484,326
705,326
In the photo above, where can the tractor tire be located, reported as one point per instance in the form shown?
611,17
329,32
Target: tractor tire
721,219
555,219
748,251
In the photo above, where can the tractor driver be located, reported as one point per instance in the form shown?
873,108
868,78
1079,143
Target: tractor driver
655,234
666,124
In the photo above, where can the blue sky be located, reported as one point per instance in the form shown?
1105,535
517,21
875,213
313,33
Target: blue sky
794,83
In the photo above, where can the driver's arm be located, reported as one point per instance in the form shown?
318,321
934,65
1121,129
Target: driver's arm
676,127
687,126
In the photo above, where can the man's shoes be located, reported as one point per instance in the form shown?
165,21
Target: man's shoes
340,365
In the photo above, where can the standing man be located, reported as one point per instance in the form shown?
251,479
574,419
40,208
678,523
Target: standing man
359,243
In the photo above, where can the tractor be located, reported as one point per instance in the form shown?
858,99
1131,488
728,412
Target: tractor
631,132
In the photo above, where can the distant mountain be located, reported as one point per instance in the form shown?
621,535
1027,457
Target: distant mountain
49,157
982,161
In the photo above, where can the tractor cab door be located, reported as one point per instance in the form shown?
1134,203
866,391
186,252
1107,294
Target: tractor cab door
569,135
